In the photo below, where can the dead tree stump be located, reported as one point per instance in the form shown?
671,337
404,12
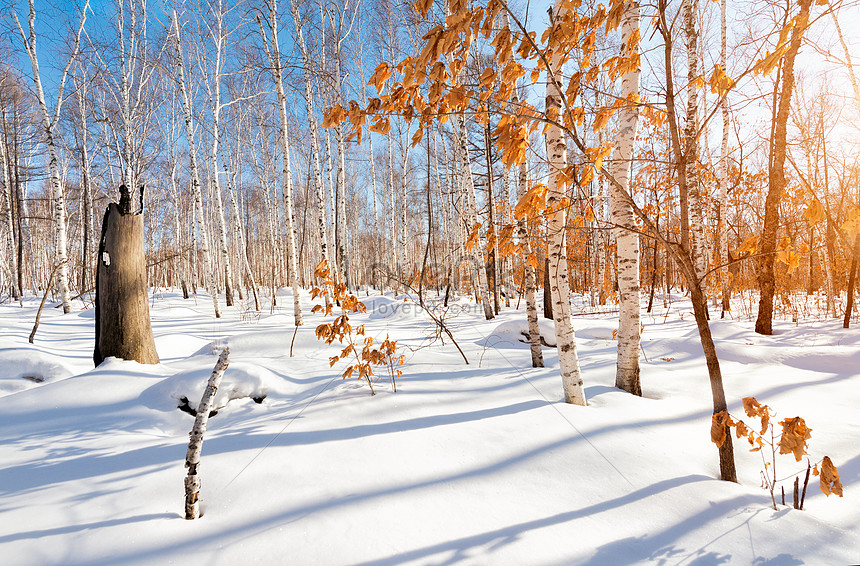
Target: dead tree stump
122,306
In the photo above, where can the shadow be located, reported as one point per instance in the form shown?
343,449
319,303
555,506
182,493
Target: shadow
778,560
617,552
225,443
458,547
87,526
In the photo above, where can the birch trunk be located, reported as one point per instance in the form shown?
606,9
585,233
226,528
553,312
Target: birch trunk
691,135
405,272
556,151
215,150
195,445
274,54
196,191
494,263
723,174
621,211
240,233
315,145
8,221
49,124
393,216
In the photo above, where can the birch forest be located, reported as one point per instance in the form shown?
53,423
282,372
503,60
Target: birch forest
513,172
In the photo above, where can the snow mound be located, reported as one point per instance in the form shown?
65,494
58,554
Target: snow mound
24,368
272,344
514,331
241,380
178,345
394,311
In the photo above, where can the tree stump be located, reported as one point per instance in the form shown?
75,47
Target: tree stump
122,306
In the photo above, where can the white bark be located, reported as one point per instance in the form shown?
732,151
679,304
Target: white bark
49,124
315,145
195,445
691,132
7,220
556,151
213,89
623,218
723,174
197,193
274,53
342,29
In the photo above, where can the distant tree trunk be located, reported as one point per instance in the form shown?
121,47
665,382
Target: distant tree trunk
547,296
274,53
197,192
7,220
122,305
315,145
776,180
529,259
849,305
49,124
723,245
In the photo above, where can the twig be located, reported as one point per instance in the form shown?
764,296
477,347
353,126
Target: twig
44,298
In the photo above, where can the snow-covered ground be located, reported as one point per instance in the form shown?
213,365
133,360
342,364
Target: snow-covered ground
473,464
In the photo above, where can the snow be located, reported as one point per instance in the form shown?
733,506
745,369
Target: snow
465,464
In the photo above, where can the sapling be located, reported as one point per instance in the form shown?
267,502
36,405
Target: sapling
341,330
792,440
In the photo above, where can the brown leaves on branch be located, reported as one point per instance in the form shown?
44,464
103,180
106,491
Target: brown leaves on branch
341,330
795,433
428,86
792,440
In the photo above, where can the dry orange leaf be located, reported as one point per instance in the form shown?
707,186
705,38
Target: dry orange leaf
795,433
830,478
719,422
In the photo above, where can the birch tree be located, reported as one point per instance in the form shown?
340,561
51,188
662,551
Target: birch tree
270,43
49,124
315,145
212,84
556,151
723,232
623,218
196,190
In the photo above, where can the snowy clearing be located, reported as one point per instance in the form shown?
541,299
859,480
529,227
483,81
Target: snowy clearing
467,464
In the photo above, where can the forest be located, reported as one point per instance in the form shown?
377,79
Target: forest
472,276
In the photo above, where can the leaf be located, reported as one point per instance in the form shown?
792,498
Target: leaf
851,226
416,138
741,429
795,433
720,82
321,270
815,213
749,245
334,116
473,237
751,406
719,422
830,478
380,76
422,6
